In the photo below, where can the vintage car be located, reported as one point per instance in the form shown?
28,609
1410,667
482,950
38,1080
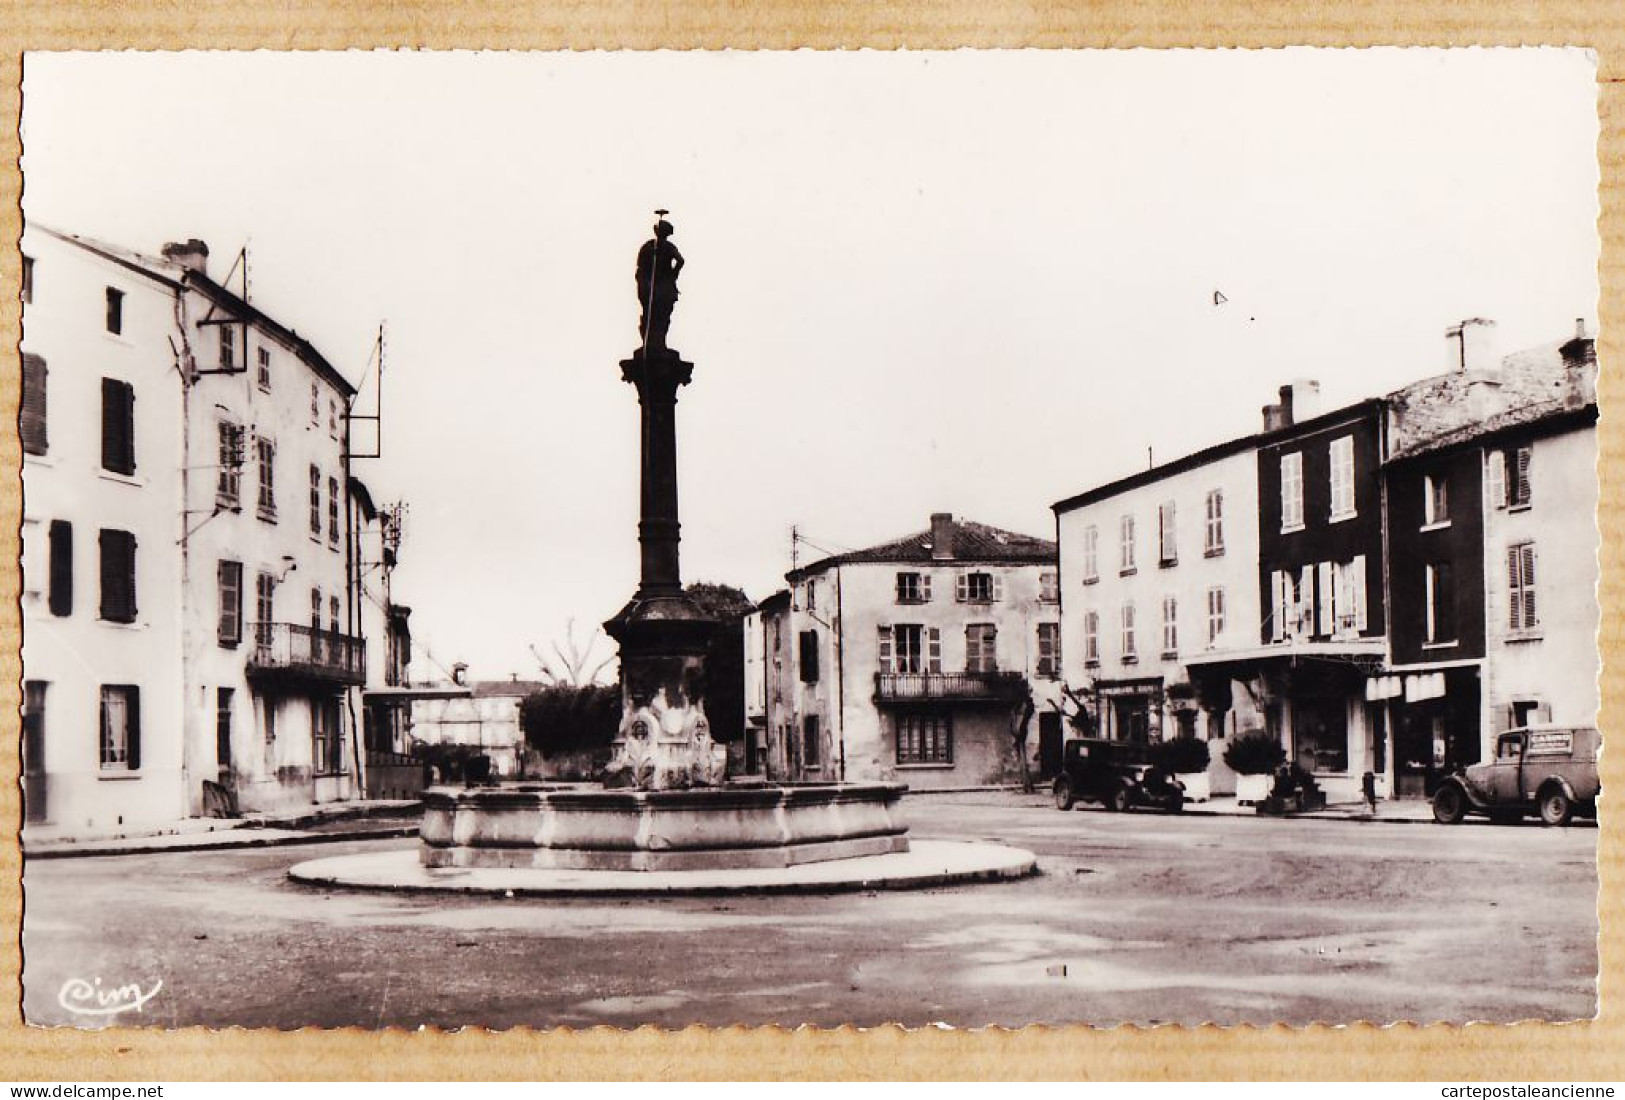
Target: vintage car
1118,774
1549,770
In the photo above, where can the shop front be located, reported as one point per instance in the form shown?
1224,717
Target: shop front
1433,719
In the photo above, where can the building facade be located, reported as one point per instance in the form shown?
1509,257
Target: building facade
916,661
1157,569
238,582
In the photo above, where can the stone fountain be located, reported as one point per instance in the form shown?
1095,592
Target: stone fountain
665,803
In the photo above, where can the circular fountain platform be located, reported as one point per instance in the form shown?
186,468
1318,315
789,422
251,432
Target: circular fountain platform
926,863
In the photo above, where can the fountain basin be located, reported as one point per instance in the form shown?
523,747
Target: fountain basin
702,829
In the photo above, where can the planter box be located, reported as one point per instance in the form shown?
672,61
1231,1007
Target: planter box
1252,789
1197,787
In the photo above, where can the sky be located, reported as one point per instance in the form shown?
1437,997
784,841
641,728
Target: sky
974,282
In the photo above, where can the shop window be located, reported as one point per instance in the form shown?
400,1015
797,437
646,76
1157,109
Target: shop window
1321,735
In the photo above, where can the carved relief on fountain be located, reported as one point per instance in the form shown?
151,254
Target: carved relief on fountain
664,744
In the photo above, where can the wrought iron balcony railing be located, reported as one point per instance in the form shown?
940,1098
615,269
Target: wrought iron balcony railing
295,650
908,687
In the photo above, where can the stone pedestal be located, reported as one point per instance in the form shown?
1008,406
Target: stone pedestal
664,741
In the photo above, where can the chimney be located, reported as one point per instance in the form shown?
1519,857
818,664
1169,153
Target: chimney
1472,346
459,674
1579,368
193,255
942,536
1304,403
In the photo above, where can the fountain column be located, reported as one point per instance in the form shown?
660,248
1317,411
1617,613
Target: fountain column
664,741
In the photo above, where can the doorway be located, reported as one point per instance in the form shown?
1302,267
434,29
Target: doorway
35,810
1049,745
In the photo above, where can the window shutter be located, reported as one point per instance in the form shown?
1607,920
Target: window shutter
1495,478
998,588
1514,589
118,426
1530,618
962,587
1278,603
883,646
925,587
61,597
1306,600
1357,584
132,719
32,419
118,576
1326,601
933,651
1521,489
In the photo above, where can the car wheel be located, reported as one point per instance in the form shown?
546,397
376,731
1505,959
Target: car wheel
1121,800
1176,804
1064,796
1449,805
1555,807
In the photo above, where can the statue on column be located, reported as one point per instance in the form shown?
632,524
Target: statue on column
658,265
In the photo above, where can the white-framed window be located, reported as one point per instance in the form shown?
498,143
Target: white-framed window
913,588
1167,535
981,647
333,512
1342,477
909,649
1091,637
1130,652
1091,554
812,595
264,370
1049,587
1441,604
1170,626
1049,650
1347,612
1126,547
120,727
1522,612
1292,491
1506,477
1293,603
978,588
1435,500
1215,614
1213,531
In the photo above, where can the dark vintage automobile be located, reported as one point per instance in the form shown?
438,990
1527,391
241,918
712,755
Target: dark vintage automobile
1118,774
1549,770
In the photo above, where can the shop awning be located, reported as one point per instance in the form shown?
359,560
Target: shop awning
1363,651
407,694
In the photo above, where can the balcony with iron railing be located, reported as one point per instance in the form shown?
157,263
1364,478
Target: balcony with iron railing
960,687
294,651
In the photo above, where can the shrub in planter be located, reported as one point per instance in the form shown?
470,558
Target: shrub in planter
1184,755
1255,753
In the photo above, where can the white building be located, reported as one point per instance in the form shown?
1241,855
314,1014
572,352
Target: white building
102,620
227,679
911,661
1158,569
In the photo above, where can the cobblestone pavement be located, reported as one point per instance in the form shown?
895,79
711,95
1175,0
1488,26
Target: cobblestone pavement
1136,917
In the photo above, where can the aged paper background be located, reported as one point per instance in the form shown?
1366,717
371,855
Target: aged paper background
1587,1051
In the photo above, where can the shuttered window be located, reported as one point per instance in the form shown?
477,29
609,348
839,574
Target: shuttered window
229,480
228,347
120,727
1091,637
1091,554
1168,541
1342,477
61,594
267,466
1441,604
31,419
118,426
1213,533
333,511
981,647
118,576
978,588
1495,478
1522,612
333,614
1291,491
315,501
231,602
812,741
1170,626
1518,478
115,311
925,739
1049,650
1130,652
1215,615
